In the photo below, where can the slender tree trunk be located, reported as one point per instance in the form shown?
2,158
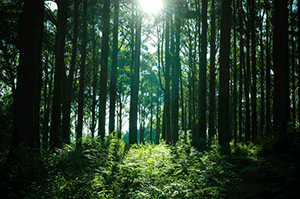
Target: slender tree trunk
151,117
95,80
212,98
47,96
224,127
29,80
242,66
120,118
190,105
281,82
167,80
183,108
66,120
234,76
177,71
104,66
262,79
114,71
55,132
82,74
202,74
247,81
253,53
135,85
268,75
157,118
293,118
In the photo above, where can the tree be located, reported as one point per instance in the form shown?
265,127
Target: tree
247,82
281,78
104,65
223,123
253,53
29,82
242,68
268,78
55,131
114,71
82,77
234,104
68,86
176,75
202,73
135,79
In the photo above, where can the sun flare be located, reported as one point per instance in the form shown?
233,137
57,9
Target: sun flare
151,6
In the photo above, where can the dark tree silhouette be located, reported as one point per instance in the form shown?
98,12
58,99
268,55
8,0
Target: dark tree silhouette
29,81
223,119
114,71
281,78
104,66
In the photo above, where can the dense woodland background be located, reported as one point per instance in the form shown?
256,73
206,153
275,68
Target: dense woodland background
200,83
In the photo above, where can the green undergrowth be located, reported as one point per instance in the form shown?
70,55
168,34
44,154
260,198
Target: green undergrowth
111,169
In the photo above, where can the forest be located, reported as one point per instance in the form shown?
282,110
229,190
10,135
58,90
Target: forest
149,98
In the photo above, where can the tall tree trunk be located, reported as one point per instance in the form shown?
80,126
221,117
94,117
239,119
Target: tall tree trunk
247,81
95,80
167,80
29,81
268,75
190,75
224,127
55,132
262,79
114,71
281,82
242,66
104,66
66,120
135,84
253,53
151,116
183,108
82,74
212,98
202,74
234,108
47,96
157,118
293,118
176,75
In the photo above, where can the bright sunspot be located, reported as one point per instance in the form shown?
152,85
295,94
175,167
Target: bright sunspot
151,6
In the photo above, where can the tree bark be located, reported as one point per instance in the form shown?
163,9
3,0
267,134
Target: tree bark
202,74
268,75
104,66
29,81
82,77
114,70
55,132
253,53
66,120
167,80
247,81
135,84
281,75
242,68
224,127
234,108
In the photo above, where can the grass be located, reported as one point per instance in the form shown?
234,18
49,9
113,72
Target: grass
111,169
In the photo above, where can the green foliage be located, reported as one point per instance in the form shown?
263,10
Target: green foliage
111,169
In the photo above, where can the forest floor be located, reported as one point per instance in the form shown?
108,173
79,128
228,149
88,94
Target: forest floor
113,170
